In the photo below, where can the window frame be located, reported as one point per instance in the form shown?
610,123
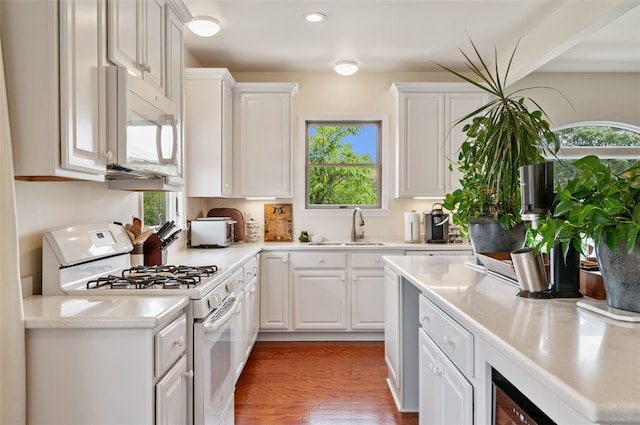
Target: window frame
613,152
384,182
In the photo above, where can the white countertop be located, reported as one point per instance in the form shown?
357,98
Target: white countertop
64,311
587,360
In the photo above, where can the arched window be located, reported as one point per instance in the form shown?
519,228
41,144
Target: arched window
618,143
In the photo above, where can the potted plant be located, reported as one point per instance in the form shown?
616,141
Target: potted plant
504,135
603,205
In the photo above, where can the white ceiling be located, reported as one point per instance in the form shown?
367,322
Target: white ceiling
414,35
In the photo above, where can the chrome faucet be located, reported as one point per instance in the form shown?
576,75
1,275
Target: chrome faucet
354,234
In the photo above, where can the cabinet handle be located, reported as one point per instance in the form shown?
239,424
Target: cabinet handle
320,260
252,290
179,342
437,370
426,319
449,341
377,260
188,374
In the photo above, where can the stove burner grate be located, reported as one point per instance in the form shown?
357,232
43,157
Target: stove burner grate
165,277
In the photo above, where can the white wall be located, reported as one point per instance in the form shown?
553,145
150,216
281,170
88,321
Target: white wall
614,97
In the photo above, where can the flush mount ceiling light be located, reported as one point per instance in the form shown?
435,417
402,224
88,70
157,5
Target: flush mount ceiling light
315,17
346,68
204,26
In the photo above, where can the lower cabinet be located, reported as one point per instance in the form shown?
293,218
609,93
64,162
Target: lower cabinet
445,366
323,290
446,397
148,387
274,291
171,395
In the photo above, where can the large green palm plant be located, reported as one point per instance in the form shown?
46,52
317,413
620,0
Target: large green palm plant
504,135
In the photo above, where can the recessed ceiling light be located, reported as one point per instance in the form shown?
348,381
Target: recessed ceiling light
346,68
204,26
315,17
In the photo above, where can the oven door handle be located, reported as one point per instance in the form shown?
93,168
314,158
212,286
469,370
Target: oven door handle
220,321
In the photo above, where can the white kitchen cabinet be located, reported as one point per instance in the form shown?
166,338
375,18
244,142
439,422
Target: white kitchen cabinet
137,38
209,124
426,143
445,361
171,395
251,304
446,397
319,290
54,57
274,291
262,139
131,375
367,290
401,340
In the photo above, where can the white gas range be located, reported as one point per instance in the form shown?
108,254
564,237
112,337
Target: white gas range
93,259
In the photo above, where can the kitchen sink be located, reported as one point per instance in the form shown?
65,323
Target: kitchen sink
346,243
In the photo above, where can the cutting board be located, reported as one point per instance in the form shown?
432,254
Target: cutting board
236,215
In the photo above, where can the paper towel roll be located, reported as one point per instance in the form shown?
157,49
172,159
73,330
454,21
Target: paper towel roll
412,226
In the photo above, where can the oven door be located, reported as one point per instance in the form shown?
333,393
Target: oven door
214,368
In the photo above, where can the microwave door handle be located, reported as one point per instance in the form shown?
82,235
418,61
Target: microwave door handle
213,326
168,118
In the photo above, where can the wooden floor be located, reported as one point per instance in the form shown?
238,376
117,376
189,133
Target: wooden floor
316,383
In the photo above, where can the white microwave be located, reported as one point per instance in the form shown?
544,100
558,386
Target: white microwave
143,135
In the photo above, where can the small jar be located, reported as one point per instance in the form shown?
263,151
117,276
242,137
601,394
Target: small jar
252,231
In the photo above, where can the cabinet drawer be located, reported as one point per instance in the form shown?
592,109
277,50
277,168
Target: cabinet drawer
370,260
319,260
454,340
170,344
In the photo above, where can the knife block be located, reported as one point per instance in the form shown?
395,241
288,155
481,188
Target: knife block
153,255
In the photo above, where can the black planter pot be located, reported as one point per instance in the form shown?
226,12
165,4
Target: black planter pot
620,275
487,235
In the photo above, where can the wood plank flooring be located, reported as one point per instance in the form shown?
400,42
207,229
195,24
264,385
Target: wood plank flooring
316,383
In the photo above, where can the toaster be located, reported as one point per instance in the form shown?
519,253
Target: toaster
212,232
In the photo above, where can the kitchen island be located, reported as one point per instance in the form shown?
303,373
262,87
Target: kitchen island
575,365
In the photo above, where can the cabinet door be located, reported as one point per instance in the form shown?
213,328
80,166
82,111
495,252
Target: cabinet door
124,44
367,299
171,395
392,326
238,332
457,106
251,316
263,156
428,384
174,57
208,133
274,291
421,145
320,299
153,39
446,397
82,86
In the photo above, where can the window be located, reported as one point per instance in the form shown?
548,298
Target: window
159,207
618,144
343,164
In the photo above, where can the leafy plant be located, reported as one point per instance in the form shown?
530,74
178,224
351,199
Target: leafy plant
504,135
595,203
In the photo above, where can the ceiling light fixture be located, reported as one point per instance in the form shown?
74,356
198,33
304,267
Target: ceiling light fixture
204,26
315,17
346,68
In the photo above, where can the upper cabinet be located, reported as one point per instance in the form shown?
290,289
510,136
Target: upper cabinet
208,135
262,139
136,38
54,57
426,142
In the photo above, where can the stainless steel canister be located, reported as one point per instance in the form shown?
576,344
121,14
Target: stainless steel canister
529,270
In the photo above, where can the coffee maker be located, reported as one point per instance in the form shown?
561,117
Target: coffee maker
436,225
536,183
